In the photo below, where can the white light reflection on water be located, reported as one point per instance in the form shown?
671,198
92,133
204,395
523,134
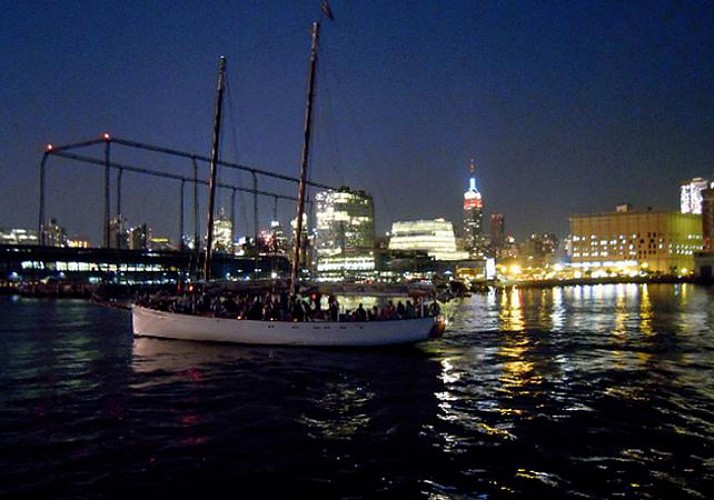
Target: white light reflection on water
577,367
338,411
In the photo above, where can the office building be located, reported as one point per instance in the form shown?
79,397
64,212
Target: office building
344,235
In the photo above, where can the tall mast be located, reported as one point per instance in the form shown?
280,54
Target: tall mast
294,283
214,165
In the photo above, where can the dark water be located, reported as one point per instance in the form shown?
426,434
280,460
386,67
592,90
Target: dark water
584,392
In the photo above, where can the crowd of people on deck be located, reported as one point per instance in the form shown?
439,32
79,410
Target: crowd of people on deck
269,306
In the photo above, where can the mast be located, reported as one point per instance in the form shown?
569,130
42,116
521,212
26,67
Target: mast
294,284
214,165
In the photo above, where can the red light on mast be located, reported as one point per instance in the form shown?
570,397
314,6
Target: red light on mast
49,147
106,136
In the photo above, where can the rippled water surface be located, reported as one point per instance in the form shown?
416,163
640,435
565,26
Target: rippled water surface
581,392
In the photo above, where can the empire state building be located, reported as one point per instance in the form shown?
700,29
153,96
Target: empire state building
473,217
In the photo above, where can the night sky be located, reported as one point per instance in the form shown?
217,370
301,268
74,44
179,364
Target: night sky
566,107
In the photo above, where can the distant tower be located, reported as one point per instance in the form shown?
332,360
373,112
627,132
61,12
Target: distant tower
691,195
473,217
498,231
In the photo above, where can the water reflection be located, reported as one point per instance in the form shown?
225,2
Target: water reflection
511,310
328,394
535,401
646,311
339,410
554,353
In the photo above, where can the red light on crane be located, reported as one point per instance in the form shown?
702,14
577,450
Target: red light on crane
106,136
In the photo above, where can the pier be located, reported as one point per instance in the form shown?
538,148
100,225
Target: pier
64,271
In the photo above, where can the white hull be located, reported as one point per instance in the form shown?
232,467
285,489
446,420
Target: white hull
162,324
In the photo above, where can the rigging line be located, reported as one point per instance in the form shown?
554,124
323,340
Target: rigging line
242,211
326,116
370,160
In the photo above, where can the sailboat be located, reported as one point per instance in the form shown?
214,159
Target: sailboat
153,322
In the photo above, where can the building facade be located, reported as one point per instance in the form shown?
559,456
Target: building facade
18,236
657,241
497,232
691,195
473,217
344,235
436,237
708,220
540,248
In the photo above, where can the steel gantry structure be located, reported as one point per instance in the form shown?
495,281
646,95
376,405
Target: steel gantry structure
67,151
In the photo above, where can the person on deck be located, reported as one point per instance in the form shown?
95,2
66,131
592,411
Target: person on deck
360,314
410,310
334,308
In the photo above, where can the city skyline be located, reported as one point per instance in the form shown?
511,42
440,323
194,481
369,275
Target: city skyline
565,109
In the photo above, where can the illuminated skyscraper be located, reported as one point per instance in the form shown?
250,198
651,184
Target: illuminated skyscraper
345,234
691,195
223,233
473,217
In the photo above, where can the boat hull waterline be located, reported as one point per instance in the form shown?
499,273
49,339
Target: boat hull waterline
168,325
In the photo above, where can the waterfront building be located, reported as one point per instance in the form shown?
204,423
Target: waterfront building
436,237
95,265
344,234
473,217
691,195
18,236
655,241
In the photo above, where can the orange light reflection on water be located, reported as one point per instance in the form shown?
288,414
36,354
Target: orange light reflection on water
511,310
